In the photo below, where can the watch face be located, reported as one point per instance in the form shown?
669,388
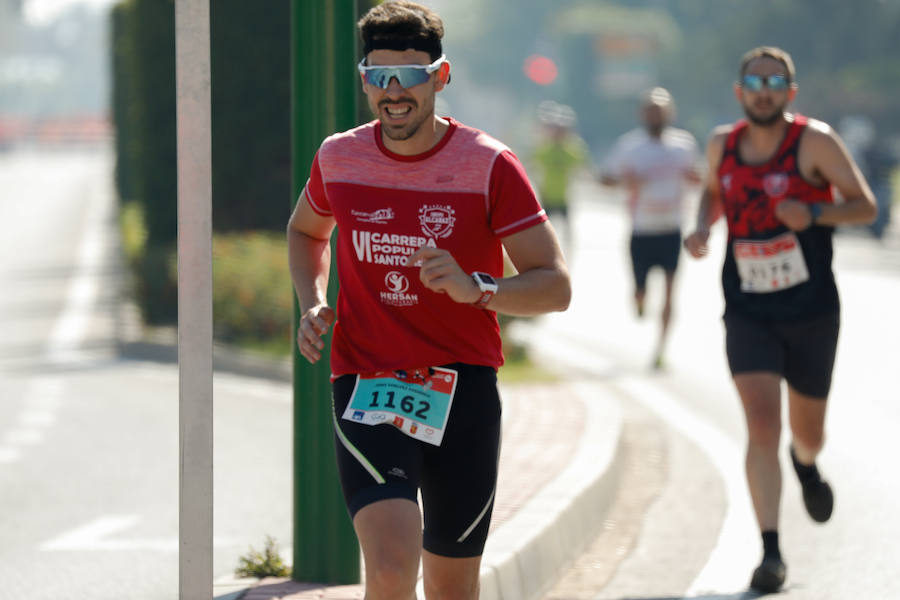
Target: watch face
485,278
485,282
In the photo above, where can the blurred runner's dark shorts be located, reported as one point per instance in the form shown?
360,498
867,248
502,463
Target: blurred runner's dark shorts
800,351
654,250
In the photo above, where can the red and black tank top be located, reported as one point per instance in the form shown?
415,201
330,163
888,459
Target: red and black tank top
764,275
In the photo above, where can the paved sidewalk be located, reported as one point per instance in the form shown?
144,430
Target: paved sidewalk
558,472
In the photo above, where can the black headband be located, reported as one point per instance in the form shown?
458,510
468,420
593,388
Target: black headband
430,45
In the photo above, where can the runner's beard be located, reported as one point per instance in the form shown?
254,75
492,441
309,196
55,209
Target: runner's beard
407,131
766,121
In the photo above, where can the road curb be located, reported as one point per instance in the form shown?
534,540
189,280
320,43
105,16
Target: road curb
525,556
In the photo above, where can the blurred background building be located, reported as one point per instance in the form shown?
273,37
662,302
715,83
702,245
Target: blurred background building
54,72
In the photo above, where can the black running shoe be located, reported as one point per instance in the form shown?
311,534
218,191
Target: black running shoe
769,575
817,495
819,500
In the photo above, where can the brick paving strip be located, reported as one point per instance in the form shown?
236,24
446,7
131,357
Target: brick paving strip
542,427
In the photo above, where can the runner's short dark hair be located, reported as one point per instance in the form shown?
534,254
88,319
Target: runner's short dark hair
770,52
402,25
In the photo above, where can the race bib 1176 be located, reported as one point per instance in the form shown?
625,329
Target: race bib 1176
771,265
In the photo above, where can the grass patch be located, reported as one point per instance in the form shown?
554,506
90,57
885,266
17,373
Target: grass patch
525,371
267,563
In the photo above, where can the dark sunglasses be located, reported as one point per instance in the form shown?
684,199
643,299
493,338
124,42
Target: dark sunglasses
776,83
407,75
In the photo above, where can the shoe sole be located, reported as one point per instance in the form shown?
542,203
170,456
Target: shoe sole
764,581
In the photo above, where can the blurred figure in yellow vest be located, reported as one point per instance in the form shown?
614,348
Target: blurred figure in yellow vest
557,157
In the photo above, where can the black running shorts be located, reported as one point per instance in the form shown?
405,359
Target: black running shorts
651,250
800,351
457,479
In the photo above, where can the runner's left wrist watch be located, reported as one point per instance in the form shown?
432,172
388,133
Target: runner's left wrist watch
488,287
815,211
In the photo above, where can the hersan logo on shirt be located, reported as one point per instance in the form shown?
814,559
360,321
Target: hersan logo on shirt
397,285
437,220
396,282
776,184
380,216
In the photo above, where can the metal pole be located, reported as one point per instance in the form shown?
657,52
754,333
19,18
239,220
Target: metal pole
192,80
324,87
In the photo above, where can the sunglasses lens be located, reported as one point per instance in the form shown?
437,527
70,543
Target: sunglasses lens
777,83
754,83
406,76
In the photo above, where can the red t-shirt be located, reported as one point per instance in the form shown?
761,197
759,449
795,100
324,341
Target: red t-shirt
464,195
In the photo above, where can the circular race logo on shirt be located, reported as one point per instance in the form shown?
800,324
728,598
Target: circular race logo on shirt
396,282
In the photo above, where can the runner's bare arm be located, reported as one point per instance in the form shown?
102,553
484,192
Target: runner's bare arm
541,285
309,260
710,208
542,282
832,164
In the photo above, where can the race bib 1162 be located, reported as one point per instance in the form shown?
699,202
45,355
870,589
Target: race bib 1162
419,407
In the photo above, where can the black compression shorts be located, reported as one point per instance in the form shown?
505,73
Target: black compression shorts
653,249
800,351
457,479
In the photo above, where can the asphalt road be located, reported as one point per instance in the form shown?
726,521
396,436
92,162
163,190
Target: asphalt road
89,441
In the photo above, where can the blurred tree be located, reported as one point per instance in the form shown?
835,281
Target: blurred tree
121,103
250,45
847,54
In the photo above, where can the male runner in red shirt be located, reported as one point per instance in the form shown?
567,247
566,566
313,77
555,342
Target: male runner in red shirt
424,207
772,174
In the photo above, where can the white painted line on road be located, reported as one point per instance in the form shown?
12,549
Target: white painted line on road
70,327
37,417
738,546
91,536
97,535
37,414
9,455
23,437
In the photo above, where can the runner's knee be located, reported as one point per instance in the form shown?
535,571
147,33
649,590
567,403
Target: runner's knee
451,588
764,429
390,579
808,442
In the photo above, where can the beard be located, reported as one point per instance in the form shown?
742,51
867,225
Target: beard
400,133
764,120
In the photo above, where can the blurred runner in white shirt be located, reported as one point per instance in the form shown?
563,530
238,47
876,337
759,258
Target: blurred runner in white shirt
654,163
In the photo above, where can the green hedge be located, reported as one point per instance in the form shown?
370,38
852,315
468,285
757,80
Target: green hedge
252,293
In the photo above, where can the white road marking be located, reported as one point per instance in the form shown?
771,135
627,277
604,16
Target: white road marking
738,547
9,455
92,536
69,329
98,535
37,417
37,414
23,437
